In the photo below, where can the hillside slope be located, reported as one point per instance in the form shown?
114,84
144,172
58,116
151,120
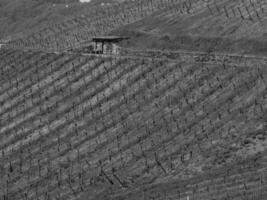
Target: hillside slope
92,127
198,25
22,17
229,26
156,124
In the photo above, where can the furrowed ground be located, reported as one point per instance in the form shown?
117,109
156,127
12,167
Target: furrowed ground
194,24
92,127
148,124
22,17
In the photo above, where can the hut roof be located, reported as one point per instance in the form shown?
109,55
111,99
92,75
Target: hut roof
109,39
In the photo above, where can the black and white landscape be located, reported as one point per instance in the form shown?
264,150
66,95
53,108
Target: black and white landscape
133,100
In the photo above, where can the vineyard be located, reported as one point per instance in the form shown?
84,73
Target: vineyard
139,125
104,19
106,126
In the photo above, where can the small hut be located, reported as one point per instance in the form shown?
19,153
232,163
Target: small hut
107,44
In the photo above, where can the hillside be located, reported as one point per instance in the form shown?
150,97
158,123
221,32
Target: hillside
179,113
231,26
228,26
20,17
99,124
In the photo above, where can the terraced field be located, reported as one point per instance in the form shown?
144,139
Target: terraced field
93,127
